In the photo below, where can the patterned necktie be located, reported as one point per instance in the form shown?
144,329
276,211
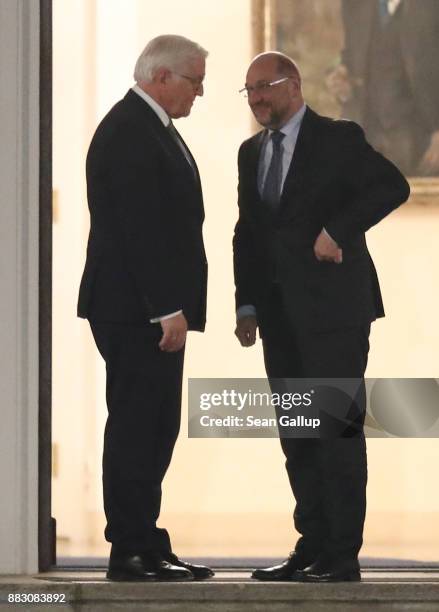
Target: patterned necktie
271,191
176,136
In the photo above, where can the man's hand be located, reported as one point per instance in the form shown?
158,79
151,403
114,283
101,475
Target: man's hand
339,84
326,249
246,330
429,165
174,333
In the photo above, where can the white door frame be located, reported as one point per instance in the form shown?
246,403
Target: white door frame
19,282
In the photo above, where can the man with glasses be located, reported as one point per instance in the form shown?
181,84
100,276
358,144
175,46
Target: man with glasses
143,287
309,189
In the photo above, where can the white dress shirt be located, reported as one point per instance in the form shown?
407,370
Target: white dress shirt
392,5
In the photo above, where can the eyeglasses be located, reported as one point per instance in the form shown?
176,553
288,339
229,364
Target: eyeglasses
263,87
197,82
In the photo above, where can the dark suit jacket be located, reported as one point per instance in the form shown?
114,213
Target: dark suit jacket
337,181
419,42
145,254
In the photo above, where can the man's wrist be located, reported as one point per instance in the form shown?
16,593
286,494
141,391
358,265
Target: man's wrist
164,317
247,310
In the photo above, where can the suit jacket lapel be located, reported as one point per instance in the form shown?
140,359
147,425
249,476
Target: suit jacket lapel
197,173
147,114
301,168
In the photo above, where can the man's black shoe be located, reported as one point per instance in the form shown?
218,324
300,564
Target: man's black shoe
166,571
200,572
330,571
144,567
128,567
285,570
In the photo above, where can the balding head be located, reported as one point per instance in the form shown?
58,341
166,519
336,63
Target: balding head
282,65
274,105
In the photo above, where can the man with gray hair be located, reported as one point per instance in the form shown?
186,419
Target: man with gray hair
144,286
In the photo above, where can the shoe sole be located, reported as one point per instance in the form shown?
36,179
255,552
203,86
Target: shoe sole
268,578
271,579
185,579
348,578
116,577
203,578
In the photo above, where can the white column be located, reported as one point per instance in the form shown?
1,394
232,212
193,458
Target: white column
19,168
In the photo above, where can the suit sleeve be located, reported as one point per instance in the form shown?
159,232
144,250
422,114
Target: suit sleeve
146,226
374,187
243,245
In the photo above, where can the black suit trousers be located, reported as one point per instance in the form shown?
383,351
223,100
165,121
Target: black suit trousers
328,476
143,391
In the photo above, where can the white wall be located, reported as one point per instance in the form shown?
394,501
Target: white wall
74,363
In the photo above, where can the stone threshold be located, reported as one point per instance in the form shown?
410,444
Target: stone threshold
228,591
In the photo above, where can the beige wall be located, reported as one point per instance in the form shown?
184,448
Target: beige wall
74,393
221,497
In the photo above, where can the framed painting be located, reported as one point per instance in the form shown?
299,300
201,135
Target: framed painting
371,61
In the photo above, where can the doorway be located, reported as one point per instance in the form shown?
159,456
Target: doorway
240,488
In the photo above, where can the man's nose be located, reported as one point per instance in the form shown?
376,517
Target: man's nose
200,90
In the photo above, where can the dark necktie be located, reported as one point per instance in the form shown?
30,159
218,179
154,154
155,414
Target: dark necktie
176,136
272,186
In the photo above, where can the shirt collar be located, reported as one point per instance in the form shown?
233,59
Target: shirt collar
159,111
293,124
392,5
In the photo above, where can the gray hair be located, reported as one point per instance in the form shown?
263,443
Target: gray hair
166,51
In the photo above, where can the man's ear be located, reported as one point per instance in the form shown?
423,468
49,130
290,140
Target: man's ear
162,75
296,84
